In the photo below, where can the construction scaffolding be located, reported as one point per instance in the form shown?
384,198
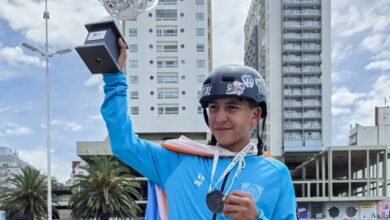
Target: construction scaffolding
352,173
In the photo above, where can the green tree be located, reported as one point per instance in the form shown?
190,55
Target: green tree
28,197
108,190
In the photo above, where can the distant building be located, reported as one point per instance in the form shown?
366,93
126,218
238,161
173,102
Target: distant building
10,163
169,57
379,134
288,42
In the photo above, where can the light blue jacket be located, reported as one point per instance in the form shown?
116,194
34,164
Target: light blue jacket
186,178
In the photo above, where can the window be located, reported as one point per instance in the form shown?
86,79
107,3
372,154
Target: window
166,31
167,77
133,63
134,95
168,2
199,16
199,2
200,32
167,62
200,63
168,109
200,48
168,94
200,78
166,15
134,110
133,48
132,32
167,46
133,79
171,110
200,110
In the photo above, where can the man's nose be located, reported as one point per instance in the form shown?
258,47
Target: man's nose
220,116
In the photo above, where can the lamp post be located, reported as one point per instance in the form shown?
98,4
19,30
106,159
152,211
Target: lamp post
47,55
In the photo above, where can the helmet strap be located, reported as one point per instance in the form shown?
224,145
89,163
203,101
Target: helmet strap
213,141
260,143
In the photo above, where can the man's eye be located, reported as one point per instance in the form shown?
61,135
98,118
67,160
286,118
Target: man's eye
233,107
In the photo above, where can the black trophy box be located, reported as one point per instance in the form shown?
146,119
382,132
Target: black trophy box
100,51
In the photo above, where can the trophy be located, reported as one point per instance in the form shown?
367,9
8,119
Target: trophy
100,51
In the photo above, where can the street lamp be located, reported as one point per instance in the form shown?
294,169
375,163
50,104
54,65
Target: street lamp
47,55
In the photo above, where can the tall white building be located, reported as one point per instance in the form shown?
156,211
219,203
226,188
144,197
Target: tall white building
10,163
169,57
288,41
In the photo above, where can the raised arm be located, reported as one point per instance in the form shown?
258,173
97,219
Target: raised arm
149,159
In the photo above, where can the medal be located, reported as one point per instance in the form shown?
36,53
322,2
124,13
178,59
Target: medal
214,198
214,201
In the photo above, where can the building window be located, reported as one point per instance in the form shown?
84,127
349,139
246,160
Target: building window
168,94
200,63
134,95
134,79
200,48
132,32
133,48
167,62
168,2
168,109
166,31
200,78
167,77
199,2
200,32
199,16
134,110
200,110
167,46
166,15
133,63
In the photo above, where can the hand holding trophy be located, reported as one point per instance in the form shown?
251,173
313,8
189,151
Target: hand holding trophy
100,51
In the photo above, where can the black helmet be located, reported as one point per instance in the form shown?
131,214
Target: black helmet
235,81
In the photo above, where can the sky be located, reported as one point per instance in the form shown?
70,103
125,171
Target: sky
360,72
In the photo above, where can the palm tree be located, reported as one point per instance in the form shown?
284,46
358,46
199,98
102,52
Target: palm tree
106,191
28,196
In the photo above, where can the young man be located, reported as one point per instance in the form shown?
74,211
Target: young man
235,183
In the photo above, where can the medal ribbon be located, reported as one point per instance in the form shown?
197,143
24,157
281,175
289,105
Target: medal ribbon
239,157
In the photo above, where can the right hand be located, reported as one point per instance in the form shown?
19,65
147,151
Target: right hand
122,53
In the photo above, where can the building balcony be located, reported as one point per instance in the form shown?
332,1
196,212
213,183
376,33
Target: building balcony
298,59
299,13
292,126
311,115
292,104
311,104
292,137
293,115
304,81
292,37
293,92
311,126
304,24
294,2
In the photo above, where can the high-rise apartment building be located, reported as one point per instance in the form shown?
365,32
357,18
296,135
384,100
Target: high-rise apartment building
10,164
288,41
169,57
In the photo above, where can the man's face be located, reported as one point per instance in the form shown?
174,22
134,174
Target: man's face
231,120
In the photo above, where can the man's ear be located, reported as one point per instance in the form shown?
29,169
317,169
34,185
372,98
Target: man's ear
256,116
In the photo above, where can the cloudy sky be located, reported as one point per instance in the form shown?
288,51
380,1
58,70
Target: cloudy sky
360,73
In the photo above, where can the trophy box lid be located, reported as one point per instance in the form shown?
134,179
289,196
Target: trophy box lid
103,25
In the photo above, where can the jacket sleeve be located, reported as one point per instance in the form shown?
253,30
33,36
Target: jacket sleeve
286,203
150,159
